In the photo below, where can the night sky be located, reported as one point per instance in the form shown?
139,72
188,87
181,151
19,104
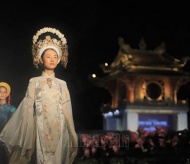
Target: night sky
92,29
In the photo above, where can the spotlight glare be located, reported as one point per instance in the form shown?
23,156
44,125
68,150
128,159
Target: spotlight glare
94,75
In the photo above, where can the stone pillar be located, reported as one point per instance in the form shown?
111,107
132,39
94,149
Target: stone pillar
132,121
182,121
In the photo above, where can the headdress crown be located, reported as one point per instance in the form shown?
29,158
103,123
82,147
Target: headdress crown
40,45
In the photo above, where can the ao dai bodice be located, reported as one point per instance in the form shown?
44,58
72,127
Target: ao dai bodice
48,108
6,112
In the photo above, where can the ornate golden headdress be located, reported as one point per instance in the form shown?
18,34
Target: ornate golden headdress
40,45
7,86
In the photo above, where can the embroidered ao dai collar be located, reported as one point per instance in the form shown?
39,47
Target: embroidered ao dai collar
48,76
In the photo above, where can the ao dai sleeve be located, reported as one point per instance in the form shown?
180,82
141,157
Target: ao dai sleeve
22,122
67,107
67,110
30,93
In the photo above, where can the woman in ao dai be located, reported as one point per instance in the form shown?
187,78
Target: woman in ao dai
43,122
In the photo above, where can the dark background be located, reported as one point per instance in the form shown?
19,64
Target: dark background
92,29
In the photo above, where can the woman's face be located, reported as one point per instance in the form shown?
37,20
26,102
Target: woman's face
49,59
3,93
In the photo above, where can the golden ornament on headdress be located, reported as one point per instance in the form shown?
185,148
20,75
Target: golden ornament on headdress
59,45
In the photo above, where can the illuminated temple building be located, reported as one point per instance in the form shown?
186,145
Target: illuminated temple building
144,86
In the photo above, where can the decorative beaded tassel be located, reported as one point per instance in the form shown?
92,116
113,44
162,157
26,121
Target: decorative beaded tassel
9,99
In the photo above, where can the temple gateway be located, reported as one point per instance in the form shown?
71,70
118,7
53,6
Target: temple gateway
144,86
